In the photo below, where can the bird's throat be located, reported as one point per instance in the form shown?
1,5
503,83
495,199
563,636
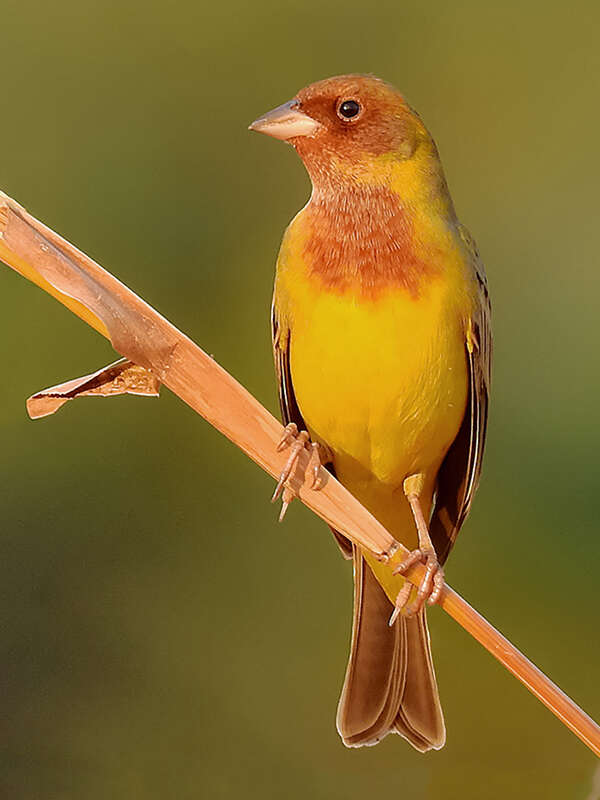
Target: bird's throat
361,238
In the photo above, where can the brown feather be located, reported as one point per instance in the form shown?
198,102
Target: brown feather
376,668
420,717
460,471
390,684
391,125
361,238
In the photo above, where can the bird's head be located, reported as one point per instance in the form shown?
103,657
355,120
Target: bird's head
348,126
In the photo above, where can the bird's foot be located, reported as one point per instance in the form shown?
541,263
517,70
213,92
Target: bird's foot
428,591
297,441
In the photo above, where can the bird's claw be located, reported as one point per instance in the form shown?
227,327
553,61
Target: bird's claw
429,589
314,466
289,436
296,440
286,499
401,601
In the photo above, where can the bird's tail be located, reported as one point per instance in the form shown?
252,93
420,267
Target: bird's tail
390,684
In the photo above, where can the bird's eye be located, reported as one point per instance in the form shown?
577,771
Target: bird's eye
349,109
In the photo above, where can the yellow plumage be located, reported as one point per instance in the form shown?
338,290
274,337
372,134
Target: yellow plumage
382,383
382,348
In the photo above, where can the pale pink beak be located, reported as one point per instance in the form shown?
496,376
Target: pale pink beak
286,122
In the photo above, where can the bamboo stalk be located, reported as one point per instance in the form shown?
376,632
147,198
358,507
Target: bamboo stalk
142,335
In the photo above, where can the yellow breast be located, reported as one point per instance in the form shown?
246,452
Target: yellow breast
382,382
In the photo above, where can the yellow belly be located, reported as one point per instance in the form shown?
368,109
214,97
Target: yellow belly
383,384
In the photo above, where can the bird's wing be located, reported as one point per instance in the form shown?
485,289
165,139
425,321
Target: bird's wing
281,354
458,476
290,412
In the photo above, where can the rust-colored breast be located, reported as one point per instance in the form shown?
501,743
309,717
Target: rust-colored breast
364,241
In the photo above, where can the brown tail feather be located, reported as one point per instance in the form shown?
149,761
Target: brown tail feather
420,718
375,675
390,683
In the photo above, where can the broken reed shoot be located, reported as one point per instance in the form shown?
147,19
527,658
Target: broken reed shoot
156,352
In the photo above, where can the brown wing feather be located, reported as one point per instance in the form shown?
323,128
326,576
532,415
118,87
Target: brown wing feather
290,412
287,399
459,474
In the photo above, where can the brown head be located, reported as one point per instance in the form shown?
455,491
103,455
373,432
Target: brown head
376,180
340,124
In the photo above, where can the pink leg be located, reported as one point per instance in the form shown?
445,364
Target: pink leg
430,588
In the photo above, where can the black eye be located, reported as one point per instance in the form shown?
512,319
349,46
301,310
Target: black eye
349,109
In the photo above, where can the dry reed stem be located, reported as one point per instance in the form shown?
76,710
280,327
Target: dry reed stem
122,377
140,334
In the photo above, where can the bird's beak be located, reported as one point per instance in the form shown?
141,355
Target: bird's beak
286,122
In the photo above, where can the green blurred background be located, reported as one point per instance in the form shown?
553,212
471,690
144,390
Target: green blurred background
162,636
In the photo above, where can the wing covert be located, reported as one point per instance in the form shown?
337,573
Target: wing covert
459,474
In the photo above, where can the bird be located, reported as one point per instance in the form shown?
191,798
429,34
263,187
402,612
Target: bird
382,346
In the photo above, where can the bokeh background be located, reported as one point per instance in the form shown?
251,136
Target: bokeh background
162,636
